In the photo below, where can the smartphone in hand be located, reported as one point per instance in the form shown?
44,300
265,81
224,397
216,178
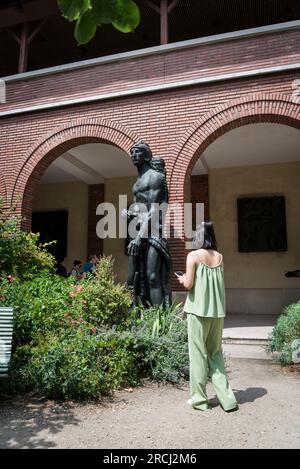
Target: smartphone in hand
178,274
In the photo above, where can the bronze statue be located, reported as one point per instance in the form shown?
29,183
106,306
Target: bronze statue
149,267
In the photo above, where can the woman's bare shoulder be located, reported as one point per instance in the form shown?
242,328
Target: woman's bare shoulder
204,252
208,255
193,255
201,252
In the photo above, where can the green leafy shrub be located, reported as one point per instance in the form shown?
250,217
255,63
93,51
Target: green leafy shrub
40,306
49,302
102,300
84,340
70,340
64,344
285,331
163,337
76,364
76,359
20,254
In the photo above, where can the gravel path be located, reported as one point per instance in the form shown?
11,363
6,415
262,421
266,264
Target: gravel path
158,417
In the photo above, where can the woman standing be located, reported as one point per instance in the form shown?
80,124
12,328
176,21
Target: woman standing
205,308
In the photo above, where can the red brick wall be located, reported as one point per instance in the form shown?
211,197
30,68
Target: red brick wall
200,195
178,124
200,61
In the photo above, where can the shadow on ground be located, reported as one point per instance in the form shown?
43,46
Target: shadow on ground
23,420
249,394
243,396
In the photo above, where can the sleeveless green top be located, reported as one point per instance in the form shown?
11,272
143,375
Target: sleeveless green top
207,297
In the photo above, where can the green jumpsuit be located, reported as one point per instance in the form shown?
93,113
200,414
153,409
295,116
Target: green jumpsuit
205,308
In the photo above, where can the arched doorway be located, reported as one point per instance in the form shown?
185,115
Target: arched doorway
247,110
227,154
51,146
66,176
253,191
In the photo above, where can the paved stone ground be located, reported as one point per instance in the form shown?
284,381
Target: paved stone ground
249,326
158,417
235,350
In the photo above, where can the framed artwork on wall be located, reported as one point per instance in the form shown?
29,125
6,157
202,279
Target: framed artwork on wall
262,224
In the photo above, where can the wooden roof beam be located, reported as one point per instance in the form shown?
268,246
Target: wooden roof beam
164,10
24,41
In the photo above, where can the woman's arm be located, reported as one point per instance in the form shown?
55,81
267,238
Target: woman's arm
187,279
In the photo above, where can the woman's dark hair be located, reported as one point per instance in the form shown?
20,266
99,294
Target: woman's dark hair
76,262
205,236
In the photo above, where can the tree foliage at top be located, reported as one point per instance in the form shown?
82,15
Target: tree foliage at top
124,15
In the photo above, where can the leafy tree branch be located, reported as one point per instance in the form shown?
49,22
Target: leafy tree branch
124,15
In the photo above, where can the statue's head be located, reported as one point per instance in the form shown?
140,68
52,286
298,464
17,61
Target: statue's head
140,153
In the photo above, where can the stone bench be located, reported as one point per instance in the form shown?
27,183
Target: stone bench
6,331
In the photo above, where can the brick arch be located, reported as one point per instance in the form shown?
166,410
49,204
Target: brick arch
54,144
247,110
3,191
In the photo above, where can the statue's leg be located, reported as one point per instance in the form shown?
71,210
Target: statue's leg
153,276
132,280
131,271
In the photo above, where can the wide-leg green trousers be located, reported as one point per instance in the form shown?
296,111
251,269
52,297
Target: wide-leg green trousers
205,353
